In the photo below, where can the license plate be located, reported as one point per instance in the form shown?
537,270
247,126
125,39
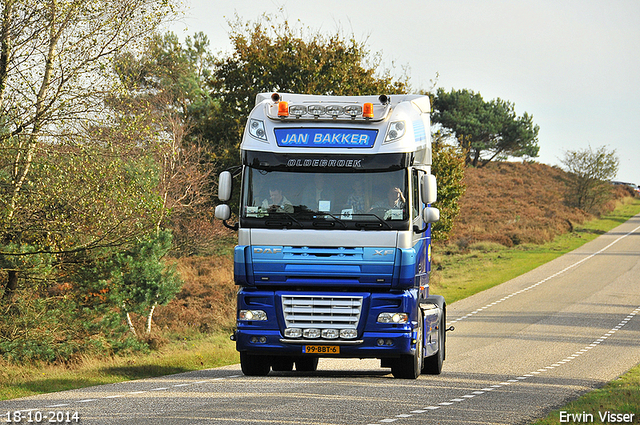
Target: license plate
321,349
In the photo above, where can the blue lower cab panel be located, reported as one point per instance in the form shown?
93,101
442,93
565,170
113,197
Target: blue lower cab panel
268,342
314,311
275,266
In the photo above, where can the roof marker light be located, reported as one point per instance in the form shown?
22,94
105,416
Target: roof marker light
353,110
367,111
334,110
283,109
297,110
316,110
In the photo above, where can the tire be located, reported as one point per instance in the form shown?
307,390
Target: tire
252,365
306,364
282,364
433,364
410,366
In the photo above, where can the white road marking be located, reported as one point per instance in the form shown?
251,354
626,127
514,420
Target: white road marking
566,269
509,381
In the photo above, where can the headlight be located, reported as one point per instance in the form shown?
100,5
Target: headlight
348,333
293,333
311,333
297,110
252,315
330,333
353,110
334,110
256,129
396,131
316,110
389,317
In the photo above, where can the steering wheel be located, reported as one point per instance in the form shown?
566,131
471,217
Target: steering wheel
378,211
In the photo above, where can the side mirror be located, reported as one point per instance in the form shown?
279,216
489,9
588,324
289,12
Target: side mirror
223,212
224,186
429,214
429,189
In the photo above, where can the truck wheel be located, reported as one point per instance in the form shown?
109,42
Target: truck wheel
306,364
254,365
282,364
410,366
433,364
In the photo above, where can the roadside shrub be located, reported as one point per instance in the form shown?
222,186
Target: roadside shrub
486,246
448,167
206,302
59,330
588,174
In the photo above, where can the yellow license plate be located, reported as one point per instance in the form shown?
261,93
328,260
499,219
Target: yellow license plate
321,349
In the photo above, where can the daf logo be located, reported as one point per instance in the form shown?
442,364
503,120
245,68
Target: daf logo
267,250
383,252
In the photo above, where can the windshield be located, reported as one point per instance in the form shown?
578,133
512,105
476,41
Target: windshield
372,200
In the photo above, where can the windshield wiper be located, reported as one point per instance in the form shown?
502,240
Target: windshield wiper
330,223
276,222
376,225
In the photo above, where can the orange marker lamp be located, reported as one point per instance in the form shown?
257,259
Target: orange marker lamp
283,109
367,110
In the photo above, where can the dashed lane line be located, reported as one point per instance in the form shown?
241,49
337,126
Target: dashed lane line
514,381
113,396
535,285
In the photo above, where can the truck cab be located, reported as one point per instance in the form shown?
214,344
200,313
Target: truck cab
334,234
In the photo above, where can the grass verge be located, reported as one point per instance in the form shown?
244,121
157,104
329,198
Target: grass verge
619,397
483,265
175,357
460,274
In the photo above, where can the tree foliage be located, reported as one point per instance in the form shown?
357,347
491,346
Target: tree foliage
448,167
485,130
270,56
63,190
77,183
56,67
590,172
164,99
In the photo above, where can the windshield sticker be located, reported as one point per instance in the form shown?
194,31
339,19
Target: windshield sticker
325,137
347,214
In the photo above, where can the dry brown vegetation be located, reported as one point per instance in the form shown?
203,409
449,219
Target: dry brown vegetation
506,203
207,300
514,203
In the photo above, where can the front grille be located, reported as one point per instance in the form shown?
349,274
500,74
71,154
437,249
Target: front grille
321,312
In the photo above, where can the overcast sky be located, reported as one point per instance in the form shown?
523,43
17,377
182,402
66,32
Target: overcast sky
573,65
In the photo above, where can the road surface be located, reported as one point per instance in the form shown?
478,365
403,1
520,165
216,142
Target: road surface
518,351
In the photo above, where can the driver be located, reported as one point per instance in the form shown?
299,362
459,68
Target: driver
277,202
395,199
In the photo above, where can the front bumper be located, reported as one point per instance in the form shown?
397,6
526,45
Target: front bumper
371,345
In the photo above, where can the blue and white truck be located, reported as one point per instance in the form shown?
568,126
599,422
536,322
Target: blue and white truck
334,236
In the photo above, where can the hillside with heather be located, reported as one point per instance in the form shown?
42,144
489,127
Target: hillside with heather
507,203
515,203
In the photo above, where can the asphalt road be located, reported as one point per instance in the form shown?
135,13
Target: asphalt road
518,351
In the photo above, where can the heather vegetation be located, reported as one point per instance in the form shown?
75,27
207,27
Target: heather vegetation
108,247
515,203
505,206
111,136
